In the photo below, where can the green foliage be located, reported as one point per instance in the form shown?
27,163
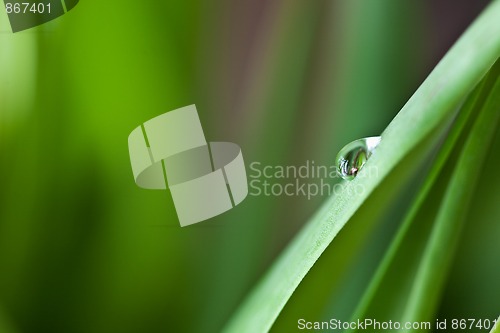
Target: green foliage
82,249
423,120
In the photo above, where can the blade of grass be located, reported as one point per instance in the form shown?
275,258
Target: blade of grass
429,110
446,231
402,251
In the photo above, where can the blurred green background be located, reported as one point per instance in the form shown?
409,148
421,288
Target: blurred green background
83,249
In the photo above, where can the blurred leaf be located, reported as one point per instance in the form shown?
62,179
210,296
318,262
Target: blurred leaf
355,57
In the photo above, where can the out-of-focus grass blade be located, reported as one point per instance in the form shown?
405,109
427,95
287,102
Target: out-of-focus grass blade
352,65
429,110
275,110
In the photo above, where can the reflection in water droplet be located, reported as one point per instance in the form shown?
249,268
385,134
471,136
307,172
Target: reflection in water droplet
354,155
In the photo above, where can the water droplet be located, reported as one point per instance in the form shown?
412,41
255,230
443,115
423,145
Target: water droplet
354,155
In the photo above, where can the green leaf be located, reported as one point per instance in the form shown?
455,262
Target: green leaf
423,118
394,278
452,212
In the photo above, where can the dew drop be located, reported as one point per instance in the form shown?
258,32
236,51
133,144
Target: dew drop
354,155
